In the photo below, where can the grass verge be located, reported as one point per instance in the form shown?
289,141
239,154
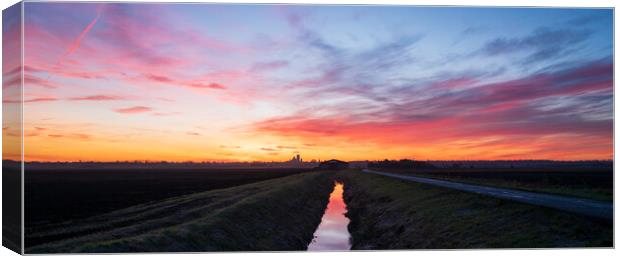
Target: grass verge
274,215
584,192
388,213
591,184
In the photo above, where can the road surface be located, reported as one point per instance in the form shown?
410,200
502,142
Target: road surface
570,204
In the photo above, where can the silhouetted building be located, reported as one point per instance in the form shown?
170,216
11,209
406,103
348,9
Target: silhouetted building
296,160
333,165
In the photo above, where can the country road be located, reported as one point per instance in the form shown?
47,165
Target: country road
570,204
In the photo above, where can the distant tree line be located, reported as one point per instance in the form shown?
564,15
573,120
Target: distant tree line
399,164
599,164
468,164
159,164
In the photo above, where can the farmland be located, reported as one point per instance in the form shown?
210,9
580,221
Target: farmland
279,209
276,214
64,194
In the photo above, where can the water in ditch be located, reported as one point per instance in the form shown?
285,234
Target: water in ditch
332,234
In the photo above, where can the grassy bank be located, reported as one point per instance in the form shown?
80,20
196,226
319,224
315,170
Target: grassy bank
387,213
584,183
278,214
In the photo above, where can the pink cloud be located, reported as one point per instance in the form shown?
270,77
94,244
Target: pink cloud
133,110
28,81
158,78
97,98
206,86
33,100
181,82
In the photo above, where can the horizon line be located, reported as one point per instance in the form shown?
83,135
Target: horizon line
314,160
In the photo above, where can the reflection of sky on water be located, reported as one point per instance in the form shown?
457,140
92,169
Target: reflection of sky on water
332,233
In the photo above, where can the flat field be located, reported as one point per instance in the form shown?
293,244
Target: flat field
276,214
59,195
593,183
282,211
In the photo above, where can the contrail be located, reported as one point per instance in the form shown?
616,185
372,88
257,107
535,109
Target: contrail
78,41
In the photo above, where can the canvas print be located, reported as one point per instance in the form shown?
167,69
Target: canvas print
197,127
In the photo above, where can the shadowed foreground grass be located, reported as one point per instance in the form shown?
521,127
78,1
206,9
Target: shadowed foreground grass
388,213
278,214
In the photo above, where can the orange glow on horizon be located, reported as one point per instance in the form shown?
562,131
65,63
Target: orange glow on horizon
184,147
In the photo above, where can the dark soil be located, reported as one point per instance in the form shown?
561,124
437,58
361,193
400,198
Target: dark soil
53,196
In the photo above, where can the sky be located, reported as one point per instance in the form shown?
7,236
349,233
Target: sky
213,82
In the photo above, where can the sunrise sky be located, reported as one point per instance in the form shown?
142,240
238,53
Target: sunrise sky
206,82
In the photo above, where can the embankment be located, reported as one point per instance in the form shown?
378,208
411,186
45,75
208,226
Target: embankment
387,213
278,214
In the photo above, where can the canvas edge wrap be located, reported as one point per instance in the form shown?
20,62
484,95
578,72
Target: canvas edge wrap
12,128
